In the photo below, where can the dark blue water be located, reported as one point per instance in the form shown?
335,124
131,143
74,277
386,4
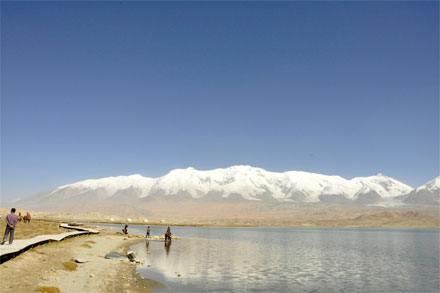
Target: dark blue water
292,260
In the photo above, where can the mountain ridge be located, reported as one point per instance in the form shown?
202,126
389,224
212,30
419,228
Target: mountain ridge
425,194
249,183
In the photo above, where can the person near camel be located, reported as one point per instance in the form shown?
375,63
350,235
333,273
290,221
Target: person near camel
11,221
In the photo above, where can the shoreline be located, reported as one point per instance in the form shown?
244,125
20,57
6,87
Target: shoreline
264,226
51,267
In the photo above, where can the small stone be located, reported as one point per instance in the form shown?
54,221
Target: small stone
131,255
179,275
92,275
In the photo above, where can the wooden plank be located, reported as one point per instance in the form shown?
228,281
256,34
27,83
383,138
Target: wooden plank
18,246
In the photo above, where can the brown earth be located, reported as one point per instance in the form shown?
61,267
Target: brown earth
240,213
45,266
51,267
267,214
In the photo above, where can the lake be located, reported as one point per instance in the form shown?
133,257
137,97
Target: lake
291,259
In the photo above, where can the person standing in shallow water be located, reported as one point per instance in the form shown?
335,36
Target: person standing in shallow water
168,234
11,221
148,232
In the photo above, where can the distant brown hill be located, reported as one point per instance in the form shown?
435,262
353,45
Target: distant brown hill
242,212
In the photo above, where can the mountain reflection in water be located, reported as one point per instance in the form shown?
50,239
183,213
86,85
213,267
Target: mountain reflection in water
294,260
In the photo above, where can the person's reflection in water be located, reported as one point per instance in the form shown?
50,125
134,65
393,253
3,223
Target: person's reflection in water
167,246
147,245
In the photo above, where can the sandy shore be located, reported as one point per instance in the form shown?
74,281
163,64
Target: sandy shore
49,266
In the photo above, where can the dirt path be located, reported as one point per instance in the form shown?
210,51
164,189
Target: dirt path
51,265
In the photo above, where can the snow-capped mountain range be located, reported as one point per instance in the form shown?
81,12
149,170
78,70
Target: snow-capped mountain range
425,194
249,183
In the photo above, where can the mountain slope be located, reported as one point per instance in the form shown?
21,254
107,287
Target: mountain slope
245,182
428,193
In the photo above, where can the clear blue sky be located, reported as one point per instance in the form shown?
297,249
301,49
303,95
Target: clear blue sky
96,89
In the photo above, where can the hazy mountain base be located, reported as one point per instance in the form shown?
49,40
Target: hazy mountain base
236,211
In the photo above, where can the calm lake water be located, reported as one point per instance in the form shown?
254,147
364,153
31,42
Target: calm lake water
292,260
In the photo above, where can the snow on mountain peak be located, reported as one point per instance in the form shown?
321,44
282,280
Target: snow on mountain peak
249,182
385,186
110,184
432,185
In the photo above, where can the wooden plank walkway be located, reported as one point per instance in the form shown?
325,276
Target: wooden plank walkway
21,245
